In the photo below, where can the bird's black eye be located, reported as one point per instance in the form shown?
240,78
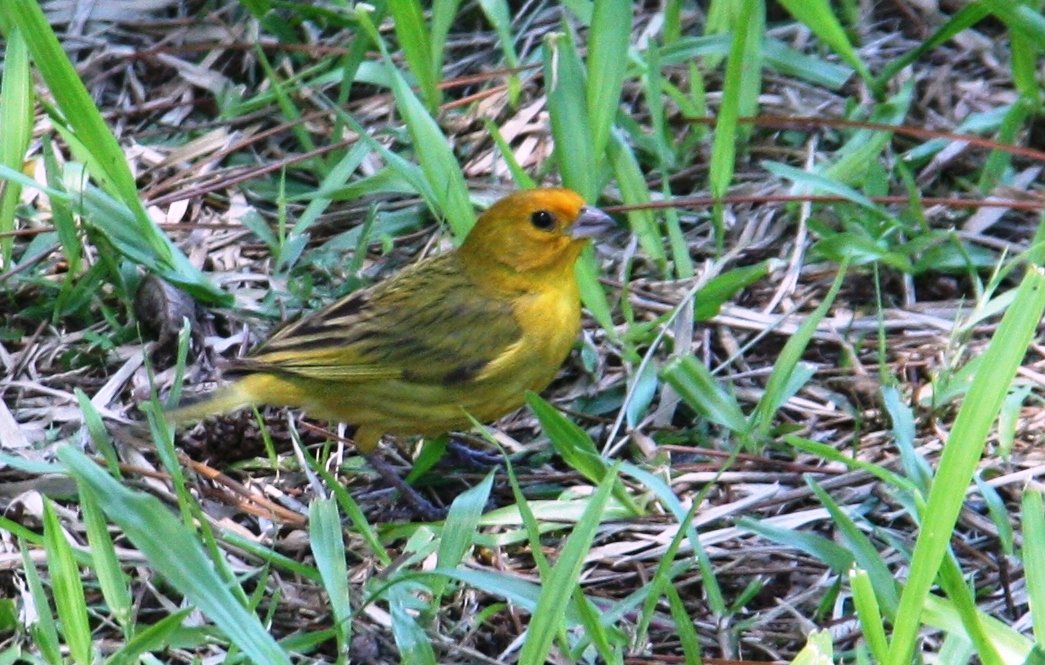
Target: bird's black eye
543,220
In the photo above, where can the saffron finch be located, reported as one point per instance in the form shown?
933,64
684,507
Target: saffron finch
466,332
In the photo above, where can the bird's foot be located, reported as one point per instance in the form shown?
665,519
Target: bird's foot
458,454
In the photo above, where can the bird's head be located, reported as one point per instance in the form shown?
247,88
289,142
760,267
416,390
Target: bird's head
535,230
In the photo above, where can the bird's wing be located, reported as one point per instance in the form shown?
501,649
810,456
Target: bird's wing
426,325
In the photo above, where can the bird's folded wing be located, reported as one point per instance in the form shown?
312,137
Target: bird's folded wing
438,331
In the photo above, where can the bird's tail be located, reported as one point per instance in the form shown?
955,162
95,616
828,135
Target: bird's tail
223,400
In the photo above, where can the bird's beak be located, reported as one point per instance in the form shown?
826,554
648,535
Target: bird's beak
591,222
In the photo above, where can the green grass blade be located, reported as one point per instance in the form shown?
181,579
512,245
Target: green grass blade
519,175
529,520
414,645
447,192
608,39
355,513
960,455
16,119
661,580
863,550
461,523
941,614
999,513
328,548
592,294
67,588
44,631
152,529
576,448
89,137
497,14
641,389
698,388
548,616
832,554
819,650
443,14
1033,555
813,69
719,290
867,611
571,442
916,468
592,622
72,98
152,638
688,638
517,591
633,191
96,428
1025,62
417,46
273,559
998,161
34,467
663,492
814,183
818,16
1020,18
740,86
283,94
114,584
574,144
962,20
963,597
864,146
779,380
333,180
659,138
64,221
438,162
680,258
832,454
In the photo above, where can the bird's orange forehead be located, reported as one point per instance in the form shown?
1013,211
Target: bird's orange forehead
559,200
565,203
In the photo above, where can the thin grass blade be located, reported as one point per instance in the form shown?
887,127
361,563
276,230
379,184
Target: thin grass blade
698,388
574,142
67,588
415,40
783,369
548,616
151,527
461,522
739,90
111,579
328,548
960,455
16,125
867,611
1033,555
43,631
608,40
80,122
818,16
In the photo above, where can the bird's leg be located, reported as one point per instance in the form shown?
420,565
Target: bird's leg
473,457
424,507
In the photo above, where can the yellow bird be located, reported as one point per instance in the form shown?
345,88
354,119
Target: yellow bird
469,331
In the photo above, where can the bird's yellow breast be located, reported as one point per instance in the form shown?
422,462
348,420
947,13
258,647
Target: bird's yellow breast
550,321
